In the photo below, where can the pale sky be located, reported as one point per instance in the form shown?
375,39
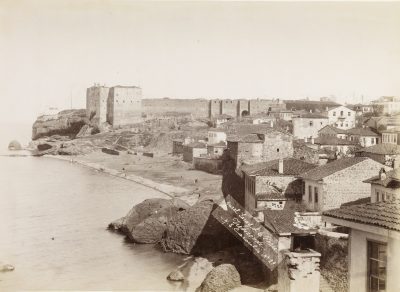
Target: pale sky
52,50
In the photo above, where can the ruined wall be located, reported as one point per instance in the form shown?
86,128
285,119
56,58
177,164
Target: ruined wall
208,165
305,153
215,107
96,103
124,105
264,105
334,260
229,107
199,108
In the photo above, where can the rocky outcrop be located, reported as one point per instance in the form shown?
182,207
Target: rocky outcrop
222,278
14,145
196,231
67,122
146,222
176,276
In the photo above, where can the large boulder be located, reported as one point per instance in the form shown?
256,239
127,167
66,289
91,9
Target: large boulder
146,222
67,123
14,145
197,231
222,278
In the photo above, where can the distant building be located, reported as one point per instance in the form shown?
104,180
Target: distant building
385,153
177,147
282,114
216,149
338,145
215,136
342,117
391,136
331,131
118,105
308,125
374,245
195,149
361,109
364,136
341,181
386,105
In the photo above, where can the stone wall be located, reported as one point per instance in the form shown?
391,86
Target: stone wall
199,108
96,104
334,260
305,153
257,106
215,107
229,107
277,145
347,185
124,106
210,165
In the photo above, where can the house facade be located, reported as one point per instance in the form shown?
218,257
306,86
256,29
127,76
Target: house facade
308,125
331,185
374,245
342,117
215,136
391,136
364,136
270,184
385,186
384,153
195,149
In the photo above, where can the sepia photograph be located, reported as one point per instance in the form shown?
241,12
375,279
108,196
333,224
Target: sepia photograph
200,146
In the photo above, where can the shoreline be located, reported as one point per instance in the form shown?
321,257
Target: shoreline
163,188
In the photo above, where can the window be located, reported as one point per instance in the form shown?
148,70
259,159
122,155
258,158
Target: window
341,113
277,149
376,266
311,123
349,114
334,114
372,141
310,194
315,195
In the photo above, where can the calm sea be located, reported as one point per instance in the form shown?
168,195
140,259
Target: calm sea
53,218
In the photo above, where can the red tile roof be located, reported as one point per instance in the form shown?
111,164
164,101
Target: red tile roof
286,220
383,149
322,171
361,132
291,167
333,140
381,214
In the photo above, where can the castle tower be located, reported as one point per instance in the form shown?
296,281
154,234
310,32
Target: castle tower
96,103
124,105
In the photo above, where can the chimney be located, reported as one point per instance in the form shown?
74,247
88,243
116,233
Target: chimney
382,174
305,139
280,168
272,124
312,140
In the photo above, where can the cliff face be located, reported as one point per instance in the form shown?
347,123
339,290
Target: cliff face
65,123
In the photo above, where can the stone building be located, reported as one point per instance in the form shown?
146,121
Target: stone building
343,146
265,145
124,105
118,105
384,153
386,105
331,131
308,125
331,185
270,184
96,103
216,149
374,245
216,135
364,136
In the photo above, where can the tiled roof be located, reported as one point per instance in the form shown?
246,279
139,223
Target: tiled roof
332,108
322,171
361,132
219,144
393,130
392,179
271,192
336,130
285,221
291,166
381,214
250,138
333,140
312,116
384,148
